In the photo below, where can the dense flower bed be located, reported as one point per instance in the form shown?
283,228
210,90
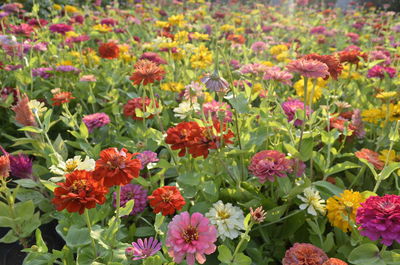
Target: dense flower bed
198,133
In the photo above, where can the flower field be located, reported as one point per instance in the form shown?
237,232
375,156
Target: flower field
196,132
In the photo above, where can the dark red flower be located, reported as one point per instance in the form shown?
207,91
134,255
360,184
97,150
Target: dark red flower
116,167
334,65
109,50
137,103
79,192
352,56
147,72
166,200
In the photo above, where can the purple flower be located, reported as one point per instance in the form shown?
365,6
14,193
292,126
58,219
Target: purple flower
67,69
379,217
61,28
290,107
143,248
379,72
129,192
43,72
96,120
147,157
215,83
258,46
380,55
20,165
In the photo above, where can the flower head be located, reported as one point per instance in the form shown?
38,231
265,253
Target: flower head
312,201
334,261
334,66
278,75
308,68
37,107
4,166
258,215
109,50
269,163
342,209
166,200
23,113
147,157
20,166
191,237
62,97
147,72
214,109
227,218
214,82
352,56
96,120
154,57
305,254
73,164
132,192
371,156
79,192
135,104
142,249
379,71
291,106
116,167
61,28
379,218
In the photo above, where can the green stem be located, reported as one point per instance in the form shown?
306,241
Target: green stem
378,183
118,202
89,225
243,238
303,125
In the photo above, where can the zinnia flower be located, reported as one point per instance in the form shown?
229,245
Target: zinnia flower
4,166
227,218
137,103
379,218
154,57
334,261
142,249
308,68
334,66
147,157
278,75
343,208
19,165
73,164
269,163
96,120
371,156
109,50
166,200
258,215
291,106
116,167
190,237
304,254
60,28
352,56
180,136
215,83
61,97
215,109
23,113
312,201
132,192
79,192
147,72
379,71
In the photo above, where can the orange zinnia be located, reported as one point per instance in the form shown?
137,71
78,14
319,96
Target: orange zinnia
79,192
166,200
352,56
147,72
62,97
116,167
109,50
4,166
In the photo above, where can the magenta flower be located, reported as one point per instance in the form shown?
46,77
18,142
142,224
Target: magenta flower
60,28
283,77
379,72
214,108
379,217
143,248
270,163
20,165
147,157
190,237
96,120
308,68
154,57
129,192
290,107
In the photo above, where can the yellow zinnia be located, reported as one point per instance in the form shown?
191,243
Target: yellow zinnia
172,86
342,209
299,87
201,58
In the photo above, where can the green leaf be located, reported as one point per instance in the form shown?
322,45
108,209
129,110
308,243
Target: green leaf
329,243
341,167
189,179
30,225
77,237
224,254
328,187
385,173
292,150
153,260
275,213
246,221
242,259
30,129
10,237
371,167
365,254
26,183
127,209
210,191
83,131
240,103
306,149
48,184
25,210
144,231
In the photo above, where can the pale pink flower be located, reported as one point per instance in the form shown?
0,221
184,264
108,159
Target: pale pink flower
308,68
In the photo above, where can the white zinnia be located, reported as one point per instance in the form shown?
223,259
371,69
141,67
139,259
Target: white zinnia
227,218
72,164
185,108
312,201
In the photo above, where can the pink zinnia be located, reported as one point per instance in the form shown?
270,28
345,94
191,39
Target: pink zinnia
283,77
379,217
213,108
190,237
61,28
308,68
371,156
96,120
379,72
306,254
270,163
291,106
258,46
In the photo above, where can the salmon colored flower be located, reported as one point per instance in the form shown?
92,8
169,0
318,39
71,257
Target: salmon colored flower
334,261
23,113
308,68
4,166
109,50
79,192
147,72
371,156
61,97
166,200
305,254
116,167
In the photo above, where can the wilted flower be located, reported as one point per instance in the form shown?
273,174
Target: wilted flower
191,237
227,218
214,82
312,201
142,249
132,192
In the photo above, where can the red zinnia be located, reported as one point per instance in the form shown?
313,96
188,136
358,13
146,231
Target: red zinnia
109,50
236,38
166,200
137,103
352,56
79,192
147,72
183,135
116,167
371,156
62,97
334,65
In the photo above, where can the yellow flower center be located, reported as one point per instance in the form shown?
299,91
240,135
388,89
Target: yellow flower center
71,166
223,215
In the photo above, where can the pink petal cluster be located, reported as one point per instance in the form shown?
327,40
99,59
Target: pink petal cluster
379,218
96,120
214,108
308,68
275,73
190,237
270,163
290,107
379,72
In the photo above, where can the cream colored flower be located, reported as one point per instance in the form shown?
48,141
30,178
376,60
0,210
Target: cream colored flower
72,164
185,108
312,202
